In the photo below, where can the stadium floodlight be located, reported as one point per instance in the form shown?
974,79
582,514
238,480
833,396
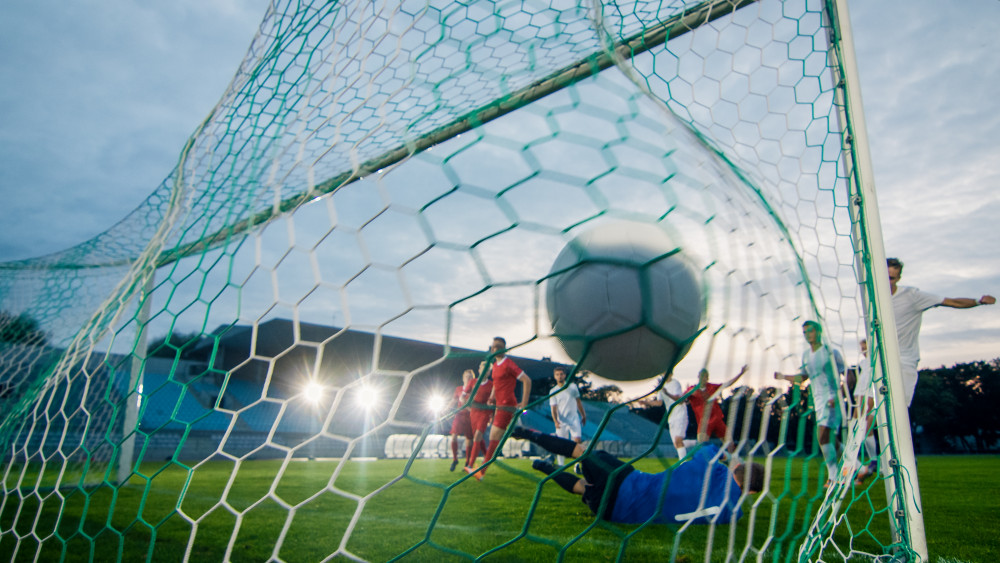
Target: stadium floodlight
313,392
367,396
436,403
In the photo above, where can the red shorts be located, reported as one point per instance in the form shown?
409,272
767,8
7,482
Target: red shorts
503,416
716,428
480,419
462,423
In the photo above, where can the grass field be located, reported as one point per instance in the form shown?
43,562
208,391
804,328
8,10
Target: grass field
434,515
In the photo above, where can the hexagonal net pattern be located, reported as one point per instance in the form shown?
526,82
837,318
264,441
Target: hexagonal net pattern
243,367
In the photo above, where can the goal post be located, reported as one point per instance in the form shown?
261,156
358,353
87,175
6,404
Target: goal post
383,188
908,523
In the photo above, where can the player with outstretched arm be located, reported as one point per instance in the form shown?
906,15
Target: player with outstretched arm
822,365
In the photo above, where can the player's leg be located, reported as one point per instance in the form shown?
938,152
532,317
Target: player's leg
827,424
871,446
563,432
677,424
569,482
572,431
602,476
502,418
480,421
454,450
549,442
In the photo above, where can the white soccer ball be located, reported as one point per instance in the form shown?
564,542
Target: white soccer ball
624,302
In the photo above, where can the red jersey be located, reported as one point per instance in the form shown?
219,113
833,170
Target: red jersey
697,402
483,393
505,373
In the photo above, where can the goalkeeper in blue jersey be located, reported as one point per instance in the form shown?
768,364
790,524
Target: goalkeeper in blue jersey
701,490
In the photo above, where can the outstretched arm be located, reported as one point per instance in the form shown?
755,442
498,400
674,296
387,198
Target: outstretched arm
968,302
655,402
525,390
791,377
737,378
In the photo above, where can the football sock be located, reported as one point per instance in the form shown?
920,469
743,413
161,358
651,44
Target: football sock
682,452
454,448
830,455
492,450
554,444
870,448
473,454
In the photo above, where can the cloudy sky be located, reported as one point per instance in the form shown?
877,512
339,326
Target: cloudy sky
98,98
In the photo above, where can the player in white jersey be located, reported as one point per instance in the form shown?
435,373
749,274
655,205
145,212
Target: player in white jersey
908,306
669,394
568,413
823,366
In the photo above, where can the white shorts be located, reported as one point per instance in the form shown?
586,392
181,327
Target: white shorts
678,422
828,415
569,430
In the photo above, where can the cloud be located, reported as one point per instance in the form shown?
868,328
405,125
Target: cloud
99,101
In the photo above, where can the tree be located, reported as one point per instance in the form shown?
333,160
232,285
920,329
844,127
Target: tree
956,404
21,329
604,393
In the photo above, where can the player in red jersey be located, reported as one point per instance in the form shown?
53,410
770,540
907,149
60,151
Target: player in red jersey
710,424
480,414
505,374
461,425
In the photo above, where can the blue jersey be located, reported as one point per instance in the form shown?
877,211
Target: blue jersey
639,494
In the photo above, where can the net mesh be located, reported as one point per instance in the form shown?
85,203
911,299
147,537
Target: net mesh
384,187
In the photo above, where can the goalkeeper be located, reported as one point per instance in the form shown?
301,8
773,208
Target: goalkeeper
701,490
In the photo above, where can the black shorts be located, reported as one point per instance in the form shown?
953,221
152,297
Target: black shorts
597,470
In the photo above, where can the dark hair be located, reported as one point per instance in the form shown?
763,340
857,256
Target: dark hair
815,325
895,263
558,368
501,339
750,477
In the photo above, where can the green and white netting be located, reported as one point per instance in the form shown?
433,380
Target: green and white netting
380,171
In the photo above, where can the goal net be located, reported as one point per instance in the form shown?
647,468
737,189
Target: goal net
242,367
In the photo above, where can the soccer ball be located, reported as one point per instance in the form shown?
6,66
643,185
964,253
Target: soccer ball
624,302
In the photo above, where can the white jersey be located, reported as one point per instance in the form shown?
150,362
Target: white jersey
823,366
565,405
674,388
908,305
678,420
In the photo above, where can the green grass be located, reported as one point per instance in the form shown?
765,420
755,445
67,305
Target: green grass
427,513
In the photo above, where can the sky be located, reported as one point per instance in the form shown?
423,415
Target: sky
98,98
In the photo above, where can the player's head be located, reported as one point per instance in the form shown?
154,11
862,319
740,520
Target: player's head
812,331
864,346
703,377
560,375
750,477
895,266
468,375
499,346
